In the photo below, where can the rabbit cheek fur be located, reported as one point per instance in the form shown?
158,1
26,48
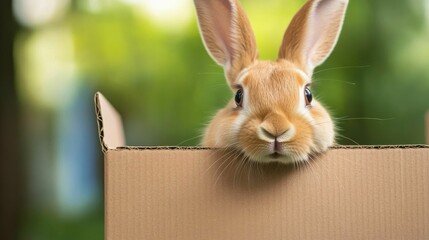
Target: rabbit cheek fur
273,101
274,122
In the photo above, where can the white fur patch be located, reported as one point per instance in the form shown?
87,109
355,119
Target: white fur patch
241,76
302,109
302,74
263,136
237,125
287,135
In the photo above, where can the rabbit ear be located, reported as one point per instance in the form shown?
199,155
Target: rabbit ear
313,33
227,35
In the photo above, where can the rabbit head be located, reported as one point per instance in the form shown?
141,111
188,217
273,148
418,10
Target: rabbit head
273,115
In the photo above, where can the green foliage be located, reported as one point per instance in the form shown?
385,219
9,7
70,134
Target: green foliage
166,87
41,226
170,83
374,82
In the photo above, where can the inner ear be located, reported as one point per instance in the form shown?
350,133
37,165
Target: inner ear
227,35
313,33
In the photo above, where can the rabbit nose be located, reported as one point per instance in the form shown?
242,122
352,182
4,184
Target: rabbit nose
275,127
271,134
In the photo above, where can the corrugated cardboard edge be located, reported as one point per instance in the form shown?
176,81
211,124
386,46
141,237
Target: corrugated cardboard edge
415,146
110,128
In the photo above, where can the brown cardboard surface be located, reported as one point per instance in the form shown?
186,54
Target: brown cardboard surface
345,194
350,192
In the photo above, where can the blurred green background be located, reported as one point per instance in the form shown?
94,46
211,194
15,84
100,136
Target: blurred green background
147,58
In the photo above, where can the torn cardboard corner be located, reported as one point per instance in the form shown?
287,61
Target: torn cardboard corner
376,192
110,130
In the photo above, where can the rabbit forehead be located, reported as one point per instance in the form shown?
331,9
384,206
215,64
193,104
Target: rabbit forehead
273,85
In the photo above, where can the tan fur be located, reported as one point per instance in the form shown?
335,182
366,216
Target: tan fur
227,34
301,52
273,124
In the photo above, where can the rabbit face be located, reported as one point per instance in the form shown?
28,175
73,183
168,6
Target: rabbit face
276,121
273,116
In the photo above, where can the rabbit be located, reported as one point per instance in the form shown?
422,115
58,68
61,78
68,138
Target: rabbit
273,116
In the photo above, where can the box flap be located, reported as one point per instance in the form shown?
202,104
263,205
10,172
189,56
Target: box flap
110,129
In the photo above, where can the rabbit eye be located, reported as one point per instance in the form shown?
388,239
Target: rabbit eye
308,96
239,97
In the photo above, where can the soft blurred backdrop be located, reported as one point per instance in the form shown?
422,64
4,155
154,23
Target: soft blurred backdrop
147,58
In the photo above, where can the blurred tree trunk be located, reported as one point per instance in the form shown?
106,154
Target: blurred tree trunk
10,160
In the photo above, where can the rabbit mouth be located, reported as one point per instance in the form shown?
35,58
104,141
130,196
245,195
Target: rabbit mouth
283,156
275,155
278,157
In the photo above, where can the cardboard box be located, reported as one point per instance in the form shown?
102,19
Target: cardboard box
363,192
